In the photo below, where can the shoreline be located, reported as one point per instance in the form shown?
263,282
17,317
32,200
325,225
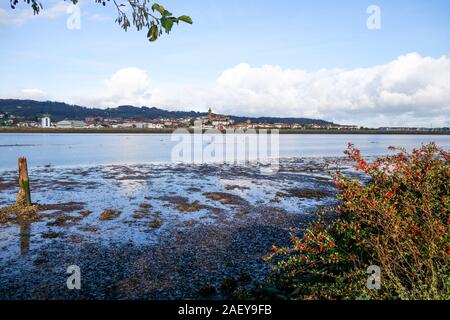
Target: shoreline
151,232
170,130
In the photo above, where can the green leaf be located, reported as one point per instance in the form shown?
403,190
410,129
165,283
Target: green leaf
161,10
156,7
152,34
186,19
167,24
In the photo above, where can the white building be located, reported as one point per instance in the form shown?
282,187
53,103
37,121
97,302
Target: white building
65,124
46,122
151,125
78,124
140,125
122,125
69,124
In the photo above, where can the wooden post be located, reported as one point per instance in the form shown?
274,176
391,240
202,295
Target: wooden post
24,195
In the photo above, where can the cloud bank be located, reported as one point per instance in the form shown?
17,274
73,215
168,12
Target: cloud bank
411,90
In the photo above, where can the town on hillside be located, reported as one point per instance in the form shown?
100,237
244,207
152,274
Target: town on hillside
210,121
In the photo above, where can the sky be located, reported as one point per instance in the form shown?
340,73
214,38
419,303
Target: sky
328,59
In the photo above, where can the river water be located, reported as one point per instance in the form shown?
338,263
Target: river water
106,149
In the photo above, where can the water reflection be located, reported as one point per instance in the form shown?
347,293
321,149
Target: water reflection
25,227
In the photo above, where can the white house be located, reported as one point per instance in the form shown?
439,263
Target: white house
46,122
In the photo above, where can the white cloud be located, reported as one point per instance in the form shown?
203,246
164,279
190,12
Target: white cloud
410,91
128,86
33,94
97,17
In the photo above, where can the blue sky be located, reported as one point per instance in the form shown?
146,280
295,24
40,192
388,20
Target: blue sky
40,57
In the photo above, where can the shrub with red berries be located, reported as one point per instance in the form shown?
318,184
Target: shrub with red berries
398,220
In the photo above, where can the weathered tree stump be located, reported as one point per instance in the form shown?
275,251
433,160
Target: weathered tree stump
24,194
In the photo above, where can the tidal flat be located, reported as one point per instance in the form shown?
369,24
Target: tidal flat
155,231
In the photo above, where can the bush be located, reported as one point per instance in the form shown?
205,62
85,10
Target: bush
397,220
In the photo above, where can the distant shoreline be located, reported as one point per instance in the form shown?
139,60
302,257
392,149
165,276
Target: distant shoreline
169,130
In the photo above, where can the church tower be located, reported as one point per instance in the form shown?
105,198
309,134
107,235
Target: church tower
209,113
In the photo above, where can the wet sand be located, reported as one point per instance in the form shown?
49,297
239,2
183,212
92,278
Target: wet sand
154,231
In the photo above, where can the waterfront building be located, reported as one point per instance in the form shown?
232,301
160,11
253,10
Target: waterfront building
46,122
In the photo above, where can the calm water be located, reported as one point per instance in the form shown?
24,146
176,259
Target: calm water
97,149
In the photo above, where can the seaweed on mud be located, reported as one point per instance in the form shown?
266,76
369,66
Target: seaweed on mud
50,235
109,214
182,204
145,206
63,221
225,198
155,224
303,193
236,187
140,214
59,221
242,213
64,207
17,213
34,213
189,207
85,213
88,228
